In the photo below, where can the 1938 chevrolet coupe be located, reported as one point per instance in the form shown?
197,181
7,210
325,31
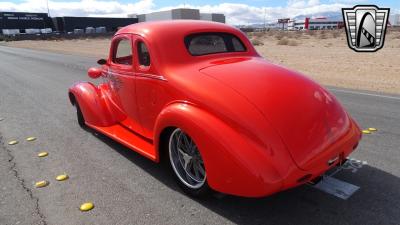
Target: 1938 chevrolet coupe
197,95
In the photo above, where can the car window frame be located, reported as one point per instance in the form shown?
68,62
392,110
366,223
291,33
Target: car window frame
113,53
141,68
144,67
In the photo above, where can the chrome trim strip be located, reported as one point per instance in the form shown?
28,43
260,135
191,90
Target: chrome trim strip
151,76
145,75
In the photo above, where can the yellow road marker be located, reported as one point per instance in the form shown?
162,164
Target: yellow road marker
366,132
86,206
31,138
13,142
43,154
372,129
41,184
62,177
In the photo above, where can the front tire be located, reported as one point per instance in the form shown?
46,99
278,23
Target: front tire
187,164
79,116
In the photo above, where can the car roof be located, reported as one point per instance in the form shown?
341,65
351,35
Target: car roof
179,27
166,38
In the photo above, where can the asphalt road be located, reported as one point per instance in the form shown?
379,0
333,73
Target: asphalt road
126,188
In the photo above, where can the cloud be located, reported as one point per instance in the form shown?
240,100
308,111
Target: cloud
236,13
242,14
80,8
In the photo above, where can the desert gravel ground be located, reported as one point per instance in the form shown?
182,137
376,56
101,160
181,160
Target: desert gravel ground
322,55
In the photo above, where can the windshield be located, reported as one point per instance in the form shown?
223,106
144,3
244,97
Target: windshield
210,43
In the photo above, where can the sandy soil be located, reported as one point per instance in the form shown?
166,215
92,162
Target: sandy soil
322,55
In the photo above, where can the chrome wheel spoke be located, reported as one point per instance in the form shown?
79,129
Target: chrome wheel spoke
186,160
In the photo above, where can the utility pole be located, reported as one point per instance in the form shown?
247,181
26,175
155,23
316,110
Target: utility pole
48,9
265,16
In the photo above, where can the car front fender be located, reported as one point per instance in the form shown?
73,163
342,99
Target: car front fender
93,103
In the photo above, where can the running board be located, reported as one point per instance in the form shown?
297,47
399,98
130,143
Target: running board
129,139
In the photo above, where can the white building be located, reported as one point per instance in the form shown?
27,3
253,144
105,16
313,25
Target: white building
321,23
182,13
395,21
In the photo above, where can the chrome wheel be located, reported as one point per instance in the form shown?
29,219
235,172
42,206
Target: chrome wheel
186,160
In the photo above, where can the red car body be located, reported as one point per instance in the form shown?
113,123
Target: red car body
260,127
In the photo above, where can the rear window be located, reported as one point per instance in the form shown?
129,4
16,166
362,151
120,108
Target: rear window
210,43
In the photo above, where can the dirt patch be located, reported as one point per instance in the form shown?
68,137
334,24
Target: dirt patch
322,55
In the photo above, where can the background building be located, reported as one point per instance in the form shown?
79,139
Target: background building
181,13
321,23
23,22
395,20
71,24
14,23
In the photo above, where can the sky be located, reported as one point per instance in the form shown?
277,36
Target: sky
236,12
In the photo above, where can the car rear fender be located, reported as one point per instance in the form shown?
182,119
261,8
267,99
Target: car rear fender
234,163
93,103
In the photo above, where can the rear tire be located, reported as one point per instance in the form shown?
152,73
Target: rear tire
187,164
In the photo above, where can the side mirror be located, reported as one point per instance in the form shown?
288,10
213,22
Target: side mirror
101,61
94,72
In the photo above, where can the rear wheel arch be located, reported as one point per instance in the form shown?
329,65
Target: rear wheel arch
163,141
72,98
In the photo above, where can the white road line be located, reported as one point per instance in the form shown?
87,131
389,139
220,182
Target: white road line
363,93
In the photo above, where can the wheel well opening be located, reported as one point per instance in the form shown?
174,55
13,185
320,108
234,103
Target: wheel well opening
72,98
163,145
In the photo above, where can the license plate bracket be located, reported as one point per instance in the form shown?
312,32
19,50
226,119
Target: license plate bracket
336,187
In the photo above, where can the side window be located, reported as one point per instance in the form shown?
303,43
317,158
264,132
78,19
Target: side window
237,45
123,53
143,52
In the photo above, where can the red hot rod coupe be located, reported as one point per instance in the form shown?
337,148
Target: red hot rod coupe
198,95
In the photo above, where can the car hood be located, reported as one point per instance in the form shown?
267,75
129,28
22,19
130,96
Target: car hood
306,116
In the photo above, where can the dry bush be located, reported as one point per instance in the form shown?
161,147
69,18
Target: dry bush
293,34
336,33
311,32
293,43
279,35
257,42
285,41
249,34
258,34
322,35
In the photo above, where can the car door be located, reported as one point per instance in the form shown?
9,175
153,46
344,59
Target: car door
151,90
121,79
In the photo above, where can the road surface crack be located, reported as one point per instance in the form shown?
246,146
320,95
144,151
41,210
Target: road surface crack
21,181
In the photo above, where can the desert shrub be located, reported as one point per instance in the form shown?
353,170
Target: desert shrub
280,35
293,43
6,38
311,32
257,42
258,34
285,41
336,34
322,35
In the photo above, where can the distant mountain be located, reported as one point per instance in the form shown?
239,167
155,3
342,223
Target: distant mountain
329,15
